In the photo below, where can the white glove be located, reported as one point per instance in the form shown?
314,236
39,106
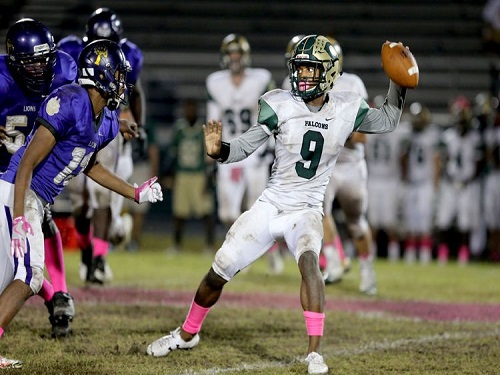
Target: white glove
14,141
150,191
20,229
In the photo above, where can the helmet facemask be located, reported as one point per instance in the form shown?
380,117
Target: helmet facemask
307,87
316,52
103,66
235,53
31,56
233,60
35,72
116,90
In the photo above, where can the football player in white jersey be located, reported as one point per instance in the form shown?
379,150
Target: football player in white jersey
286,85
348,184
383,158
419,172
276,252
311,125
492,182
233,94
459,187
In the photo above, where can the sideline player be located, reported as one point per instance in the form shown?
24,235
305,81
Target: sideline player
419,171
192,176
459,193
385,188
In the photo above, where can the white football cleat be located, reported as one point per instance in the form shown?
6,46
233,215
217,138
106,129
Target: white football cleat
10,363
166,344
334,270
368,284
316,364
120,232
82,271
425,256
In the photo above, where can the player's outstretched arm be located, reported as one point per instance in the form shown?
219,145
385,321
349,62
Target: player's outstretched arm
150,191
111,181
213,138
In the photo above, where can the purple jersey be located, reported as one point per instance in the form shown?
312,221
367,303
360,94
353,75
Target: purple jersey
73,45
68,114
19,110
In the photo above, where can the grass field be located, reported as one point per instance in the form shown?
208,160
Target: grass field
424,320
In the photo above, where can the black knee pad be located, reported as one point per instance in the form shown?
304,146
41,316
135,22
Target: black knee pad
49,227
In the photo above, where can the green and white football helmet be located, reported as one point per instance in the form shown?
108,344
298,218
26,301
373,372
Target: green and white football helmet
290,47
235,43
316,51
338,49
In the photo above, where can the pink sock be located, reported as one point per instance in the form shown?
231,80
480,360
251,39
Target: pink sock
274,248
411,243
340,248
195,318
46,291
322,261
54,261
426,242
443,252
364,257
314,323
463,254
101,247
84,239
1,331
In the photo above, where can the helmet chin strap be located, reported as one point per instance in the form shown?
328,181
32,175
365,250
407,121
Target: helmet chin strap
112,104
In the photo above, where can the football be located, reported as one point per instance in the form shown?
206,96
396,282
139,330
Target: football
399,64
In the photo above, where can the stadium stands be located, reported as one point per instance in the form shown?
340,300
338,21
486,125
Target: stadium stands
181,40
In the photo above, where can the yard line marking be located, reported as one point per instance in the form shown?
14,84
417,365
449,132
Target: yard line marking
377,346
363,349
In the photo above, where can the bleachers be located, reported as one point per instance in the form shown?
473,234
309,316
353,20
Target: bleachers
181,40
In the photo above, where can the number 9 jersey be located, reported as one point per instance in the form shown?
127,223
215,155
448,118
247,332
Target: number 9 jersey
307,145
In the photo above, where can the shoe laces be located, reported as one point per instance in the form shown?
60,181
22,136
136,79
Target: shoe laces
314,358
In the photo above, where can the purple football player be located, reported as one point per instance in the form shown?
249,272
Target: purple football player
30,70
97,211
74,122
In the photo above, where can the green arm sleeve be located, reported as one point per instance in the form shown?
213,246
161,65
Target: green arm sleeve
362,111
267,116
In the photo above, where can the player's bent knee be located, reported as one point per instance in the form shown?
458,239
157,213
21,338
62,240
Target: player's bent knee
225,265
358,228
214,280
308,256
36,281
